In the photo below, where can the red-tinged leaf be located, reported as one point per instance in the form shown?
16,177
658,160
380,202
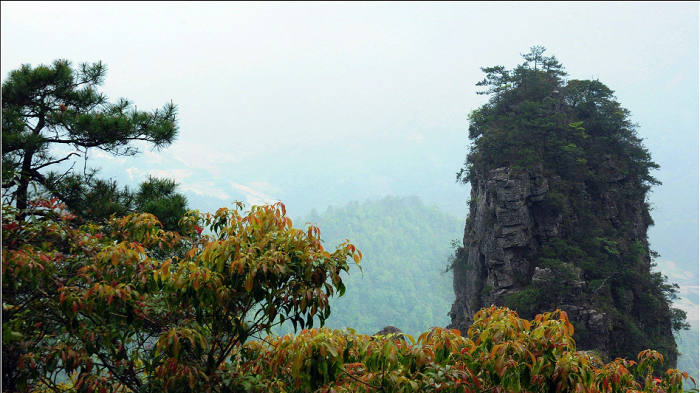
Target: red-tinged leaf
74,307
356,258
115,259
191,381
62,297
494,350
165,268
475,380
109,299
249,283
196,284
456,332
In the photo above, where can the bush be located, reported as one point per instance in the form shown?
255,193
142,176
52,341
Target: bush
500,353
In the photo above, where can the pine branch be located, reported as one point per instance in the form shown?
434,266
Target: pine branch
57,161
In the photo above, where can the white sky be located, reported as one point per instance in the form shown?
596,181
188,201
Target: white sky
307,101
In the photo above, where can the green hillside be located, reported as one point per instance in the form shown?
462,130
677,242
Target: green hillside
403,283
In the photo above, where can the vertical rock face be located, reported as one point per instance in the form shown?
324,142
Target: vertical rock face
501,232
513,220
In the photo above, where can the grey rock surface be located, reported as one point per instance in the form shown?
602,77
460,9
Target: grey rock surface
508,221
388,330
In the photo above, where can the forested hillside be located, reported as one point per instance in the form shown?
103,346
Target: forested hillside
403,282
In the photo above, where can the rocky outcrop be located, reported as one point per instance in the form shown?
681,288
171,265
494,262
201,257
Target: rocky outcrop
511,216
558,215
502,230
388,330
398,334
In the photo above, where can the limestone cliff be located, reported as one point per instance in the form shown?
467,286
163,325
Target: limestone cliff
558,215
511,221
508,222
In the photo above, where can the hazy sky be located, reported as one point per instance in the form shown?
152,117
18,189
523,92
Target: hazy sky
318,104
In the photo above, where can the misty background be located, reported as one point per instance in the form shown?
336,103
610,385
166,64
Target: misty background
320,105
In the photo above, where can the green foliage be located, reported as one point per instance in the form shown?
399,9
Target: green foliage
55,108
535,117
160,198
527,301
91,197
98,199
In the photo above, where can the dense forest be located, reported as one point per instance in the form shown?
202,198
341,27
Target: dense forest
403,283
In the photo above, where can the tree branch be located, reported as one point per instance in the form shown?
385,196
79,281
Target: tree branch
360,381
57,161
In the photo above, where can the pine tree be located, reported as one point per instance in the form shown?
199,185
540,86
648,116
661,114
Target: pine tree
55,105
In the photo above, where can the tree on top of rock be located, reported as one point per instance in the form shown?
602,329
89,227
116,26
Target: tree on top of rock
574,135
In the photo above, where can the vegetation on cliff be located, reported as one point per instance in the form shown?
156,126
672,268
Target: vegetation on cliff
576,136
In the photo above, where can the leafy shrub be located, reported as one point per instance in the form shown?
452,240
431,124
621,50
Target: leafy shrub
500,353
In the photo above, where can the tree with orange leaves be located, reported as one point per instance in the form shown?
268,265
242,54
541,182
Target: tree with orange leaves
127,306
